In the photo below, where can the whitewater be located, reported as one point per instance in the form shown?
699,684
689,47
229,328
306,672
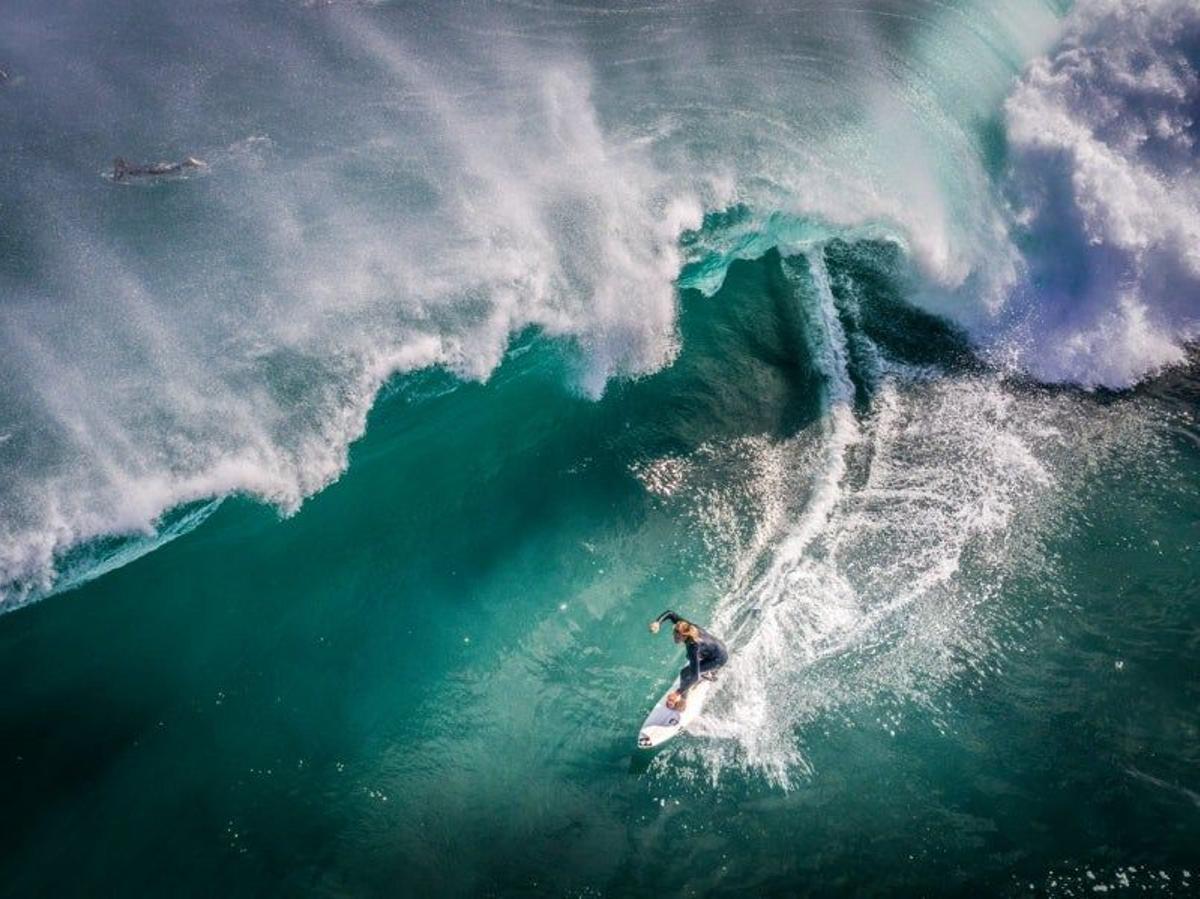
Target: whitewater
415,190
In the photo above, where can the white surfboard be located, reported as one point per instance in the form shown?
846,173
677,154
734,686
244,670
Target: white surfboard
663,723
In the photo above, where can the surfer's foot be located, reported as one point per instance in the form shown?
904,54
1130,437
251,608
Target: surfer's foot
709,675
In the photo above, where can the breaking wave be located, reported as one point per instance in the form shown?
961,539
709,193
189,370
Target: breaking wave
419,188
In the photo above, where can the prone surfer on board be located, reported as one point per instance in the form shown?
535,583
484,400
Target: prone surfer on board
705,654
123,169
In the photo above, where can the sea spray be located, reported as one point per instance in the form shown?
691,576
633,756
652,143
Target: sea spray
418,189
881,588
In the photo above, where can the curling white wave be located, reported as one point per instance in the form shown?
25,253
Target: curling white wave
418,188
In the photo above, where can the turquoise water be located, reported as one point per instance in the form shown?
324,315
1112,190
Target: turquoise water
339,481
429,680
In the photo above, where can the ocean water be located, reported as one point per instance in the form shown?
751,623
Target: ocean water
340,478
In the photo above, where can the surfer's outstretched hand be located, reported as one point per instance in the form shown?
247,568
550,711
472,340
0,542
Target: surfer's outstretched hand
654,626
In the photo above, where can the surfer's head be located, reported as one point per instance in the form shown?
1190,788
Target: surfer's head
685,630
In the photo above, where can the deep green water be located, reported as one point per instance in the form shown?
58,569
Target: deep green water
429,680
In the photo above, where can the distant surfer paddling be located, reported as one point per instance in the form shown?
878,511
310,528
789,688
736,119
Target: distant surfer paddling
123,168
705,654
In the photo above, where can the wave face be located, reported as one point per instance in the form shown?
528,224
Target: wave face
401,187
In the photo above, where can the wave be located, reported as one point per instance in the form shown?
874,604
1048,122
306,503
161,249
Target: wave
418,189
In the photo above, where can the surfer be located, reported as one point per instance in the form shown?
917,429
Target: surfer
705,654
123,169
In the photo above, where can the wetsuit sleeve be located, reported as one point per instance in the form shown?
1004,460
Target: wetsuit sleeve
667,616
693,668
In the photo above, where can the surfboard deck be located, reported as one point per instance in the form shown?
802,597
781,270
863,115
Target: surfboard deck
663,723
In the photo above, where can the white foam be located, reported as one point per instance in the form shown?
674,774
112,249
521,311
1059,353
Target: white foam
1107,184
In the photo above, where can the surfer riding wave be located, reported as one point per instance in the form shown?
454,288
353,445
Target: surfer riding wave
705,654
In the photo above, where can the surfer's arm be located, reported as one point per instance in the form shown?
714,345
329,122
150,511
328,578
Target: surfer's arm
665,616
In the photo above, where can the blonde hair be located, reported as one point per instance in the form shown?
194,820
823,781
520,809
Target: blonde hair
687,630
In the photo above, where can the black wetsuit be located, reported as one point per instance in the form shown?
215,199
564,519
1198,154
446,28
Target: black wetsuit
705,654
